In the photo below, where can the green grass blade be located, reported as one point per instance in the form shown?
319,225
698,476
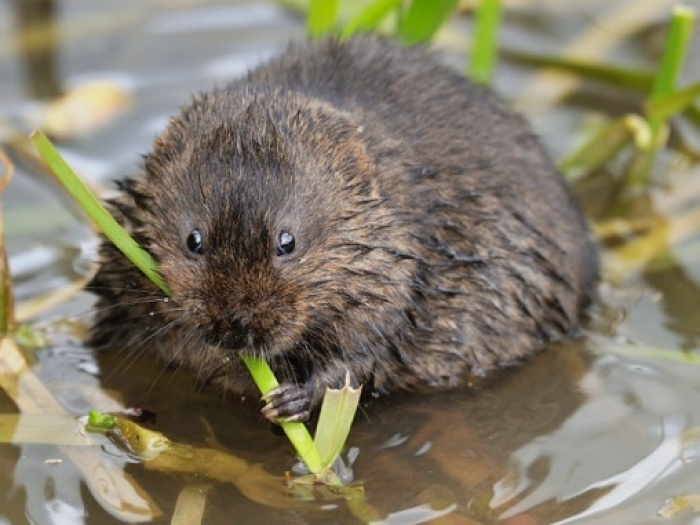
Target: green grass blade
676,48
321,17
664,107
634,79
94,209
334,421
297,433
370,17
599,148
617,76
485,44
679,32
423,18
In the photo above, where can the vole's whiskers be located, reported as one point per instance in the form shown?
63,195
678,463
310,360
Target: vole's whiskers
102,309
132,354
174,361
125,289
205,375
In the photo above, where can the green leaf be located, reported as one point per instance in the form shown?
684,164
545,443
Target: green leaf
94,209
617,76
334,421
321,17
423,18
370,17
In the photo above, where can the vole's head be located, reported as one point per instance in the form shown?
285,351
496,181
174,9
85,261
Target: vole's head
259,208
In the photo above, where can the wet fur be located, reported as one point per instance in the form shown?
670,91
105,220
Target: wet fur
434,239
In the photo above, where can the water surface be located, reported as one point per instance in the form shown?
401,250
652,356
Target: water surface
598,430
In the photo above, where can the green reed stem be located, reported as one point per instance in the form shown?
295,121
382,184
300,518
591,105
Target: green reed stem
613,75
679,32
321,17
423,18
297,433
93,208
259,369
370,17
485,43
664,107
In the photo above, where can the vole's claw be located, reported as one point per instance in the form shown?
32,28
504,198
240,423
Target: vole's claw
287,403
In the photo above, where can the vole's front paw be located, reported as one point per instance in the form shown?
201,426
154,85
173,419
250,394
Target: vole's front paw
287,403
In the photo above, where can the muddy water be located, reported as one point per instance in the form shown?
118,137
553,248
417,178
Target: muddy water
600,430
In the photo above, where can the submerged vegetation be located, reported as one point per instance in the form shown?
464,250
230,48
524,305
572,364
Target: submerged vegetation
639,237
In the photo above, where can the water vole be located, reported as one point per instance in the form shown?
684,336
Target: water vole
347,207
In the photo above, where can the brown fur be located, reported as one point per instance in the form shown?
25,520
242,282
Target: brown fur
434,239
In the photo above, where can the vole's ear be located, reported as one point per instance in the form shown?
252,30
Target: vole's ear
335,142
351,163
350,155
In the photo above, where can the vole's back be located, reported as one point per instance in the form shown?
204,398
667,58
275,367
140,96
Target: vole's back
501,237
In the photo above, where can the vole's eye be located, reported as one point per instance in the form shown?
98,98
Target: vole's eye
194,242
285,243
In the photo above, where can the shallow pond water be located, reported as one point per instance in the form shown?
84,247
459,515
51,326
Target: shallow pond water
604,429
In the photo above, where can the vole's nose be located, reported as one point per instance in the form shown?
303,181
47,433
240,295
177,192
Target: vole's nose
236,336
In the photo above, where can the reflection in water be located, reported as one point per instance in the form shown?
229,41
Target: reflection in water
453,448
681,303
612,452
53,474
51,495
36,38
